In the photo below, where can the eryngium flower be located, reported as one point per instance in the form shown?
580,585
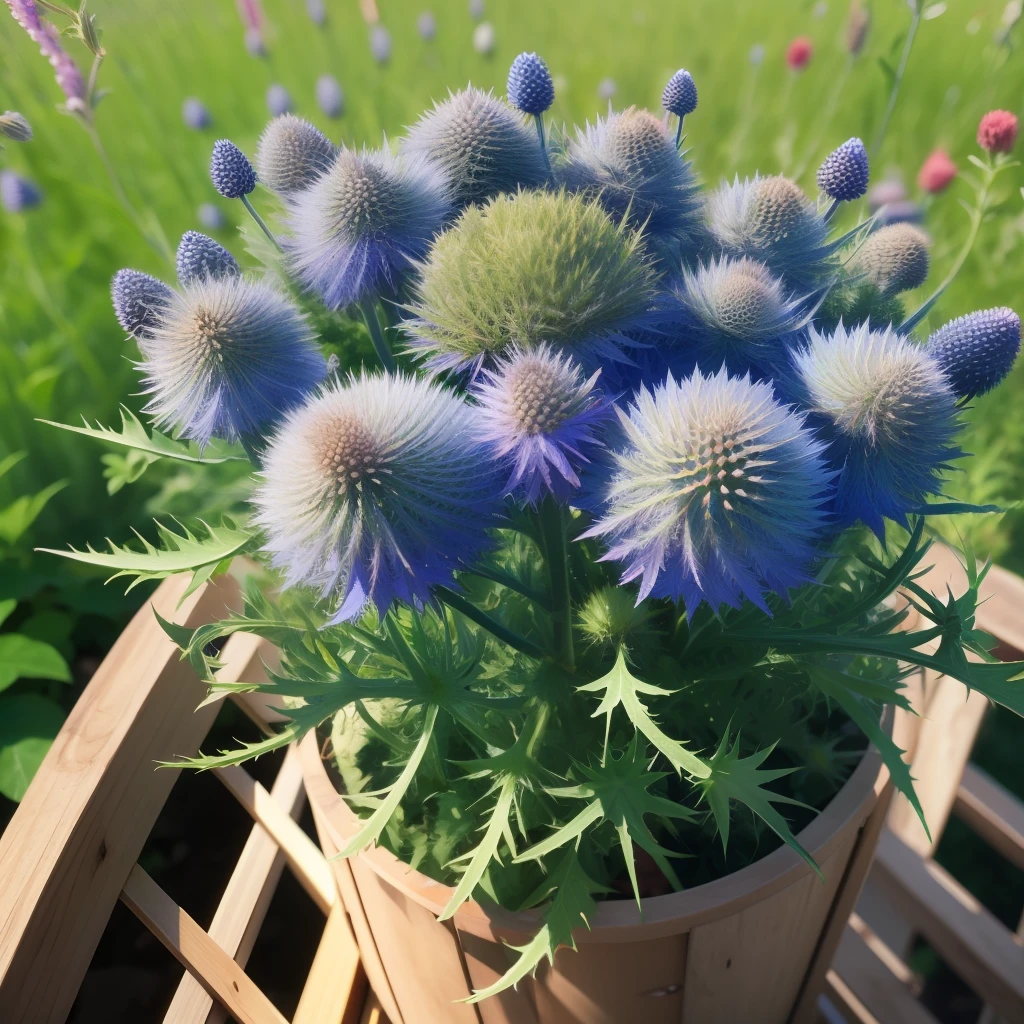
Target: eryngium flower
199,256
890,417
476,9
482,145
526,269
771,220
537,415
139,301
976,351
227,358
679,96
845,171
230,171
426,25
330,97
14,127
380,44
630,164
18,194
530,86
358,228
195,115
375,489
292,154
894,258
279,100
718,494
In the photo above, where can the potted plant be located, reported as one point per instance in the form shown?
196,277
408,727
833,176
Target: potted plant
581,559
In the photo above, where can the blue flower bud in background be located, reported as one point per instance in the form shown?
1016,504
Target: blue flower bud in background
606,89
426,25
18,194
476,9
484,39
317,11
530,87
894,258
279,100
254,42
230,171
139,301
844,173
380,44
14,127
292,154
199,256
680,95
976,351
330,97
211,217
195,115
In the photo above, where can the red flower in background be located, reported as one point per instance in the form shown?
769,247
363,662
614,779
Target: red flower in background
997,131
799,53
937,172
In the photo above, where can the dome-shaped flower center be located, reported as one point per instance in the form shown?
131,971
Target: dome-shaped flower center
637,142
538,396
712,466
895,258
745,303
213,336
361,197
777,207
348,454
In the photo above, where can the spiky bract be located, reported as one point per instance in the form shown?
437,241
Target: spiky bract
482,145
376,489
200,256
530,87
976,351
292,154
717,494
139,301
679,96
845,171
230,171
894,258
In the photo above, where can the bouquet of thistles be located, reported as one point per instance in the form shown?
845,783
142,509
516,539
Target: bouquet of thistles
584,553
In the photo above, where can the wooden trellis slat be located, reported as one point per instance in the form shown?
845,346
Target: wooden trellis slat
993,813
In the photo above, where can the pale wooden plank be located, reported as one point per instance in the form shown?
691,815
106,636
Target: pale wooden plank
73,840
839,1003
335,990
302,854
197,952
372,1012
993,812
244,903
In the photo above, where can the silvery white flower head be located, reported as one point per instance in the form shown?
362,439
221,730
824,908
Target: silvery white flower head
357,230
330,97
200,256
227,358
380,43
629,163
482,145
279,100
376,489
978,350
717,495
484,39
139,300
890,417
771,220
540,418
292,154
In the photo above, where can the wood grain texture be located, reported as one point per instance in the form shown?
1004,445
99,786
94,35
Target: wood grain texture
993,812
335,989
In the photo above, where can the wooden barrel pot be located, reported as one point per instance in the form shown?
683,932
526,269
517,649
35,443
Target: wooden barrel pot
750,948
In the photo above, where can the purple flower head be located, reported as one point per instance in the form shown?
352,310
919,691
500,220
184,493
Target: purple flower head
279,100
18,194
47,38
292,154
380,43
254,43
230,171
139,301
228,358
211,217
890,418
717,495
537,415
358,228
976,351
376,488
845,172
680,94
195,115
330,97
199,256
530,86
426,25
317,11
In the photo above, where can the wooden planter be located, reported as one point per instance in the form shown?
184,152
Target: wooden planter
753,946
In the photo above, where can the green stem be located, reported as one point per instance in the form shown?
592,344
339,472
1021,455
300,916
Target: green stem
679,131
247,443
897,81
825,119
485,621
540,726
503,579
262,224
538,120
380,345
552,520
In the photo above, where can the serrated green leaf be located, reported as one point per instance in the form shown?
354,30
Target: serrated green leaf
21,657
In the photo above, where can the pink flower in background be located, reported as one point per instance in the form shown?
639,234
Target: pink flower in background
937,172
799,53
47,38
252,18
997,131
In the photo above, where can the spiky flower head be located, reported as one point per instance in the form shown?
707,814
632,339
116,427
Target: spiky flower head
771,220
426,25
14,127
997,131
845,171
380,43
279,100
894,258
292,154
799,53
484,39
139,301
482,145
358,228
230,171
531,88
537,267
937,172
976,351
199,256
890,417
227,358
195,114
211,217
18,194
539,416
375,489
718,494
330,97
679,96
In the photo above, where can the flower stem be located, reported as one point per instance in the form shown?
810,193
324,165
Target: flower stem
679,131
538,120
247,441
824,120
492,625
552,520
262,224
369,310
897,81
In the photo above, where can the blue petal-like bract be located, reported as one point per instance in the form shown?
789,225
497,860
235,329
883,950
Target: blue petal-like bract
230,171
139,301
680,94
976,351
377,488
200,256
845,171
717,495
530,86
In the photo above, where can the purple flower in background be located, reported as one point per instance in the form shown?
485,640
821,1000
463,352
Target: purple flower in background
47,38
254,43
606,89
426,25
317,11
279,100
211,217
380,44
252,18
18,194
13,126
330,97
195,115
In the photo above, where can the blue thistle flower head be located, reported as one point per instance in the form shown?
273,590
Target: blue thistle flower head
717,495
531,88
976,351
200,256
894,258
629,163
376,488
358,229
292,154
279,100
481,144
426,25
18,194
139,301
380,43
889,415
680,94
195,114
227,358
330,97
539,416
211,217
845,171
230,171
771,220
